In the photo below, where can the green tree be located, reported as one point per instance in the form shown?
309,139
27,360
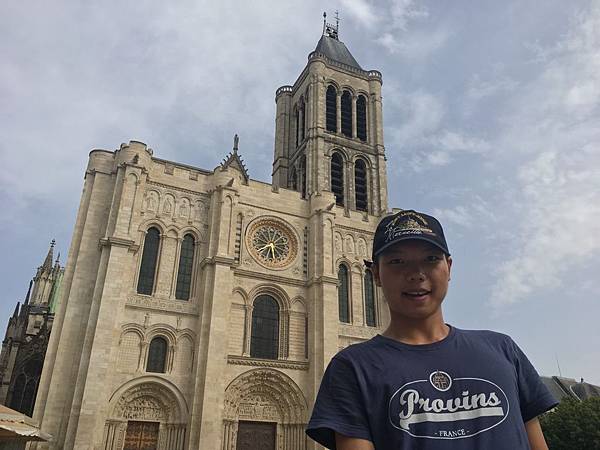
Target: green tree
573,425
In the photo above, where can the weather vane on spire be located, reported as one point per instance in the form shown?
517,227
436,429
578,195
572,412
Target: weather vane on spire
329,29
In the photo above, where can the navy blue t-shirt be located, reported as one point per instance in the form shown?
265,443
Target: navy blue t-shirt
471,390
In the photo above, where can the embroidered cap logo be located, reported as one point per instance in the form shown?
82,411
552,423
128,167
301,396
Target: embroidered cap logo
406,223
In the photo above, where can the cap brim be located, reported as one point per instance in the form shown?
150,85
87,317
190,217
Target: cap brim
411,238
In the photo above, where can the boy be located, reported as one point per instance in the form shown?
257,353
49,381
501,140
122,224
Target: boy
422,383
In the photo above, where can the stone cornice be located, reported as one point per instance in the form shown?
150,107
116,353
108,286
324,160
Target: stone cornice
178,189
175,306
359,332
217,259
355,230
119,242
324,279
268,277
275,363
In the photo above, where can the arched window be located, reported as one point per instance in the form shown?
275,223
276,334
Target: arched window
186,263
331,109
264,341
343,300
149,259
361,118
360,185
346,112
157,355
369,300
337,178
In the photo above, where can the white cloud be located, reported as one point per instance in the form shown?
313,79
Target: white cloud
554,134
361,11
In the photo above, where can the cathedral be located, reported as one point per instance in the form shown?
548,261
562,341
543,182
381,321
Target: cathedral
199,308
26,339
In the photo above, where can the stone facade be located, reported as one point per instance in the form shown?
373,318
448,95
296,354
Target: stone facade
100,385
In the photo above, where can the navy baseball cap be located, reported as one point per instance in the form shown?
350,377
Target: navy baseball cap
405,225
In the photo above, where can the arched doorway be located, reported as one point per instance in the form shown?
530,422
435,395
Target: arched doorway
146,414
264,409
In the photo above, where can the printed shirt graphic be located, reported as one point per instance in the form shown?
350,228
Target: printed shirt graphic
472,390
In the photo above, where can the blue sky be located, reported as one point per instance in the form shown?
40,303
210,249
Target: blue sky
491,112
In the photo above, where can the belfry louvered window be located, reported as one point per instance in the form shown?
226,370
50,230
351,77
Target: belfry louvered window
360,185
369,300
157,355
361,118
337,178
346,112
264,338
303,176
149,259
184,273
331,109
343,291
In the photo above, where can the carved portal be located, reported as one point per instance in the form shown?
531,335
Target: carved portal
270,397
141,405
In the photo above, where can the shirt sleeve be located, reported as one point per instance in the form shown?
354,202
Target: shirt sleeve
339,406
534,396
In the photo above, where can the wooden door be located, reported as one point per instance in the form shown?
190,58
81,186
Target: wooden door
256,436
141,436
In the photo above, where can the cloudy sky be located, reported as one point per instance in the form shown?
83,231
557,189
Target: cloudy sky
492,122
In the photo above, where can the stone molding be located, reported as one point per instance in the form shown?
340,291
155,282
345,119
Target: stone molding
275,363
119,242
268,277
175,306
360,332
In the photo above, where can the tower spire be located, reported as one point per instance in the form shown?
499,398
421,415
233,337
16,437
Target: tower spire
26,302
49,257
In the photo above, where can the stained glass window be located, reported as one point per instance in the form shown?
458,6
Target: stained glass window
157,355
186,263
149,259
264,341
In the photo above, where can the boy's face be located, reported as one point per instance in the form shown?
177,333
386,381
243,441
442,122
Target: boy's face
414,276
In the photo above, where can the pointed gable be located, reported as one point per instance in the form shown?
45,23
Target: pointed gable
234,160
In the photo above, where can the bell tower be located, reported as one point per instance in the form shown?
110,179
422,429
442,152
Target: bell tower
329,130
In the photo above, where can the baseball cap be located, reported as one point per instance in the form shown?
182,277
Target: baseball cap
405,225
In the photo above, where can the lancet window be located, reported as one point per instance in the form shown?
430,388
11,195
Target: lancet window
361,118
149,260
369,299
360,185
337,178
343,294
331,109
346,112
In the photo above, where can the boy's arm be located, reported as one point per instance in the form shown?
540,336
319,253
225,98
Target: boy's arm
534,435
347,443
